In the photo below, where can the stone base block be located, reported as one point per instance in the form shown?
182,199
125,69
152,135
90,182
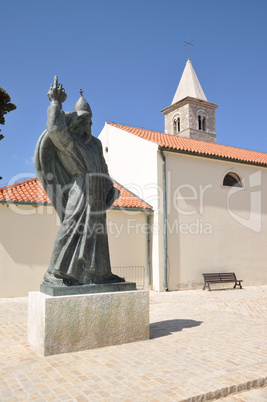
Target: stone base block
56,290
64,324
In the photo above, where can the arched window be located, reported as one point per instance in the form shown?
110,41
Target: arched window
232,180
199,123
176,125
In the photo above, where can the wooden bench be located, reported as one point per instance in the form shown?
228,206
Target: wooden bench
220,278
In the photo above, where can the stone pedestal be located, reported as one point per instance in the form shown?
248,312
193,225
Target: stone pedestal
62,324
55,290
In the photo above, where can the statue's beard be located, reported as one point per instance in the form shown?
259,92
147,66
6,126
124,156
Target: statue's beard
78,129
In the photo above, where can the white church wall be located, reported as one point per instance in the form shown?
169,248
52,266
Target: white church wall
27,236
213,228
131,161
136,164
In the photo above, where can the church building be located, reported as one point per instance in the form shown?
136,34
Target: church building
209,200
187,206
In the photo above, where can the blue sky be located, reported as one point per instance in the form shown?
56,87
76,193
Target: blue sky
128,57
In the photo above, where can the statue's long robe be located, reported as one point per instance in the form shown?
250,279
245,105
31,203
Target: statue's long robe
75,177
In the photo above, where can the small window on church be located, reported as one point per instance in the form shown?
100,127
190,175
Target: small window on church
204,124
199,123
176,125
232,180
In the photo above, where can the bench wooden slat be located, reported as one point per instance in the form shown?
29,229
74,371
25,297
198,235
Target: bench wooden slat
223,280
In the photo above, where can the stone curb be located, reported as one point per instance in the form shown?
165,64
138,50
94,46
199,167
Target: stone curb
232,389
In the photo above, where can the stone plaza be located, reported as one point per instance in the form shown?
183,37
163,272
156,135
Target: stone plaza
203,345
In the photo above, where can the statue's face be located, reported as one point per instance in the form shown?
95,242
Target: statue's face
79,125
87,123
84,124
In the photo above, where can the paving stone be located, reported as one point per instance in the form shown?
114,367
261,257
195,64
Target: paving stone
202,345
255,395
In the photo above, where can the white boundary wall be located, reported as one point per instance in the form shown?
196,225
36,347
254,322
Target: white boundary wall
27,236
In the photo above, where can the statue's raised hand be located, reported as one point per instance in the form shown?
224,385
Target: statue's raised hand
57,92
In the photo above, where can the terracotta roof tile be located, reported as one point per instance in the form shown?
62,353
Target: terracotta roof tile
31,192
201,148
28,191
128,199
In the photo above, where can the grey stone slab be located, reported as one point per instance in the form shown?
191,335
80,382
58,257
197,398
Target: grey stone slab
57,290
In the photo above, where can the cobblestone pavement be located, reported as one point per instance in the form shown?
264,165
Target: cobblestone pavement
201,343
255,395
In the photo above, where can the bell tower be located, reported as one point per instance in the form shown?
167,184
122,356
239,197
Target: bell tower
190,115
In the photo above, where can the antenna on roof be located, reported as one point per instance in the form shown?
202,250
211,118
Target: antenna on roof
188,43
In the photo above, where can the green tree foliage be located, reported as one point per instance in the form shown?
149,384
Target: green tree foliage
5,107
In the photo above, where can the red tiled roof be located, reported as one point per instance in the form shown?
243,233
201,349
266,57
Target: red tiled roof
28,191
201,148
31,192
128,199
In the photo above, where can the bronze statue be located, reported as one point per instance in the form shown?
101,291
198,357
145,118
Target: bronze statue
70,165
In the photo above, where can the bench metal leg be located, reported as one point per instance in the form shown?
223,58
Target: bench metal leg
239,284
206,285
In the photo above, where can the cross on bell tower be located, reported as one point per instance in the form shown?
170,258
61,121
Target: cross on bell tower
188,44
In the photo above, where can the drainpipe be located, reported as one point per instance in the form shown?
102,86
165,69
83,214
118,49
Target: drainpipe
148,247
165,219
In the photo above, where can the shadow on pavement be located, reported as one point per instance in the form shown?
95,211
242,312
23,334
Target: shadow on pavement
164,328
